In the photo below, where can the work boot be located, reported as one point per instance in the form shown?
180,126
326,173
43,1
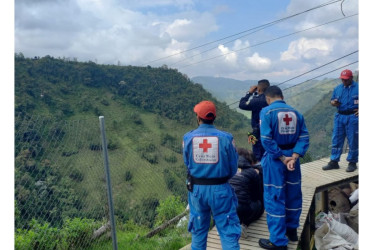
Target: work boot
331,165
351,167
265,243
291,233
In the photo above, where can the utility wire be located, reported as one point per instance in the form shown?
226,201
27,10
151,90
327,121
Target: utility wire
320,75
258,27
212,48
313,77
317,67
271,40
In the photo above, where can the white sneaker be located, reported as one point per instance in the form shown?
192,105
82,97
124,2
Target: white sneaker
244,231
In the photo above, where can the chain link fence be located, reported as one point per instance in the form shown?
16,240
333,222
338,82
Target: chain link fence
60,183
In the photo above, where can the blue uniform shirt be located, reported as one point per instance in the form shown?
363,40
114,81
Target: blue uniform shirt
210,153
255,104
280,125
347,96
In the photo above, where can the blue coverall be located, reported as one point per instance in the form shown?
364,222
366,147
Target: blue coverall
255,105
282,127
345,124
210,153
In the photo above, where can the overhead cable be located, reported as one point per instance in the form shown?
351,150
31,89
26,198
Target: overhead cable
320,75
258,27
318,67
271,40
311,71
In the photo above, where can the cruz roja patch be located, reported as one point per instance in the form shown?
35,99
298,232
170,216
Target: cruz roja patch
205,149
287,122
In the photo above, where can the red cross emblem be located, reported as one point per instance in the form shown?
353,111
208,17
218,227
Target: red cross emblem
287,119
205,145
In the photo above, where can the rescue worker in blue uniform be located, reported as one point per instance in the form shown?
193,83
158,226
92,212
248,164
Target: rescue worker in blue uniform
211,159
255,105
345,98
285,139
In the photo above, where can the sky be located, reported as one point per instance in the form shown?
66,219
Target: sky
189,35
218,38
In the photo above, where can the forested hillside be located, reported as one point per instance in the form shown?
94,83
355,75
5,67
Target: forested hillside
58,165
42,84
308,94
59,173
319,121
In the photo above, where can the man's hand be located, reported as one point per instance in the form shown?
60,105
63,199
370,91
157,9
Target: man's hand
289,161
356,112
295,156
285,159
335,103
252,89
291,164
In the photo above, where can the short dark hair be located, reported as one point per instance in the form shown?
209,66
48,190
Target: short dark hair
273,91
206,121
247,154
263,84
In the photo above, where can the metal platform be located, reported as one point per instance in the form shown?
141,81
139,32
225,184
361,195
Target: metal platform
314,180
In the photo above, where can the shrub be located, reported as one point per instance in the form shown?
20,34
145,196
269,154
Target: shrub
171,159
150,157
169,208
77,232
76,175
128,175
38,237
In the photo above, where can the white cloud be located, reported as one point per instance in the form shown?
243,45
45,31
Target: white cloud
195,25
229,55
307,49
258,63
323,15
137,32
239,44
177,27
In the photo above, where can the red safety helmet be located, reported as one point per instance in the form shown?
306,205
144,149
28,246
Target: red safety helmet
204,108
346,74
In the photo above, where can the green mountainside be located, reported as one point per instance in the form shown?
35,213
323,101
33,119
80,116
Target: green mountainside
58,165
308,94
58,160
319,121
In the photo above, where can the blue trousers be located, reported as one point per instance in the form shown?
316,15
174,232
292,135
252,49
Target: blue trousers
282,197
221,202
345,126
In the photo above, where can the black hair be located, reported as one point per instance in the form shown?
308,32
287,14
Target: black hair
206,121
247,154
263,84
273,91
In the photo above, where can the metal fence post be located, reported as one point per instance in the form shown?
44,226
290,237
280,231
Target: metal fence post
109,186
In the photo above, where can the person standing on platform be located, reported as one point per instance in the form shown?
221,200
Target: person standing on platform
285,138
211,159
255,105
345,99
